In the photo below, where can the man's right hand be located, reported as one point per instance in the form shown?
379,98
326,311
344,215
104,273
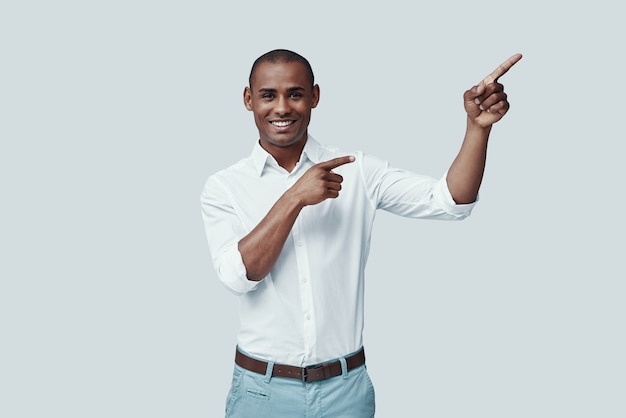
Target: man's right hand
319,182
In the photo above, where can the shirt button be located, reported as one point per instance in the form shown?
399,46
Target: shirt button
304,280
299,244
308,317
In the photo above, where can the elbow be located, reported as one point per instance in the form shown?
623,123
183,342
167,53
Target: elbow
255,277
237,284
232,273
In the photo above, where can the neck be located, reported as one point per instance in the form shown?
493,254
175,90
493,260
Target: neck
286,157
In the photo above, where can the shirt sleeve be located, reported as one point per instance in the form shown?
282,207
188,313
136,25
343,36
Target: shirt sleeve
408,194
223,231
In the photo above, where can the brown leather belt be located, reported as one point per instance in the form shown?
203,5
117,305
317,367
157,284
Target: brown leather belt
306,374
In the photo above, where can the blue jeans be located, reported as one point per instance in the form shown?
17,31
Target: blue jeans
254,395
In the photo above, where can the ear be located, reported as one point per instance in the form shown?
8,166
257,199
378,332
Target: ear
247,98
316,96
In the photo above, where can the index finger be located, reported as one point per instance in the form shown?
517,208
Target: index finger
336,162
501,70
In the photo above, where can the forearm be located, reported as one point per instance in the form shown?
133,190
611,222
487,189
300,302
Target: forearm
262,246
466,172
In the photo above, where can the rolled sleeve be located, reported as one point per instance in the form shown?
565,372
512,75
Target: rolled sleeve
409,194
443,197
223,231
232,271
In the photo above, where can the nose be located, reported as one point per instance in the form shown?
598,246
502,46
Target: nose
282,105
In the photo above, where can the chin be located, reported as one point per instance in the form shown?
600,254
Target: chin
286,142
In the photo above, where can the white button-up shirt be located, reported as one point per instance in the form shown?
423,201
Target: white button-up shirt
309,309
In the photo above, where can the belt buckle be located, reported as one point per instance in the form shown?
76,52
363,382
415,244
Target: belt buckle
305,374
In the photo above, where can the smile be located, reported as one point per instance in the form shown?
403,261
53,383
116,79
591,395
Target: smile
282,123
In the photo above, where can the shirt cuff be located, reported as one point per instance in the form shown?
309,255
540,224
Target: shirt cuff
232,271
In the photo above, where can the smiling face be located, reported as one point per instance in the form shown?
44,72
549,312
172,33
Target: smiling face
281,97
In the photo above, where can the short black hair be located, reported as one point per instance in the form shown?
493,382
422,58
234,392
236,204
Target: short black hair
282,55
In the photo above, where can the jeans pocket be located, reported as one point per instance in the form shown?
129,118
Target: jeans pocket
255,388
235,385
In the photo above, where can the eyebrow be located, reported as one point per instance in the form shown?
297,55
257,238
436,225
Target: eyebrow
270,90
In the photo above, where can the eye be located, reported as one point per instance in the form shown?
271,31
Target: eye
267,96
295,95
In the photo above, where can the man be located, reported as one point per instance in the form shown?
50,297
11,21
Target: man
289,232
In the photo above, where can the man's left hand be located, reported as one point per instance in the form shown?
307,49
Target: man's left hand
486,103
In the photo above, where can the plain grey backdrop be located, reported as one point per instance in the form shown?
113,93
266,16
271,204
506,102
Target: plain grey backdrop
113,114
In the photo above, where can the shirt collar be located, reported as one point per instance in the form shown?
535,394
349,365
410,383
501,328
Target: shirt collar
312,150
260,158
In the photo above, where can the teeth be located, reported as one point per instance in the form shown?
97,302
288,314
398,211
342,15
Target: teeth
281,123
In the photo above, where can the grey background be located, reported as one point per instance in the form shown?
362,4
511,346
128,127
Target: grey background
112,115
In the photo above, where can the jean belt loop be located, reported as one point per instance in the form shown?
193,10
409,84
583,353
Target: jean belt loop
344,367
268,372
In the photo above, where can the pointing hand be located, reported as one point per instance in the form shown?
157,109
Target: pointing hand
320,182
486,103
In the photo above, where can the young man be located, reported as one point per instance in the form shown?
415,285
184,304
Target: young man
289,231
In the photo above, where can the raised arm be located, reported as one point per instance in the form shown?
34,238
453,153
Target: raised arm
485,104
262,246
